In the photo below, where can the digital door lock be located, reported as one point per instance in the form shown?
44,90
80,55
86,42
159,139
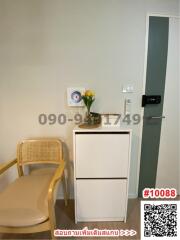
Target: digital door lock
150,99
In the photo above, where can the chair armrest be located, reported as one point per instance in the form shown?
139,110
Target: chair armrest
7,165
51,191
57,176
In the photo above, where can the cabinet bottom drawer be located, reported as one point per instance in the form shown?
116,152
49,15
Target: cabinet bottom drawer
101,200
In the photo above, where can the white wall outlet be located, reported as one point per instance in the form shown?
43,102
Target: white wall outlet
129,88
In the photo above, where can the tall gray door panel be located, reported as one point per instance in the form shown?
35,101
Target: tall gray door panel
155,85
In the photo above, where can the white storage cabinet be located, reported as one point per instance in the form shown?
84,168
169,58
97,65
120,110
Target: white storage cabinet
101,173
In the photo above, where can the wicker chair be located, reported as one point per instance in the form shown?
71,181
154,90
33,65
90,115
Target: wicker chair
27,204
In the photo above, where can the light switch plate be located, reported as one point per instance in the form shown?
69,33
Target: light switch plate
127,106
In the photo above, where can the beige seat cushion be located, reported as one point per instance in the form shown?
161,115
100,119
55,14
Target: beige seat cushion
24,202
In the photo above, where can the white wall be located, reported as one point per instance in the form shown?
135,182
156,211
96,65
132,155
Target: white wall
49,45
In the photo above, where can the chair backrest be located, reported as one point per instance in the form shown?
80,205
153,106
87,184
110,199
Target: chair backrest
44,150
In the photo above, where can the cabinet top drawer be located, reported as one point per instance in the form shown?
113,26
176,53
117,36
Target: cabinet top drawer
101,155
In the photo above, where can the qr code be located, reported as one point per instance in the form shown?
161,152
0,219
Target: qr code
159,219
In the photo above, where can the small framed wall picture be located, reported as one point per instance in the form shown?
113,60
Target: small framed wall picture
74,96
